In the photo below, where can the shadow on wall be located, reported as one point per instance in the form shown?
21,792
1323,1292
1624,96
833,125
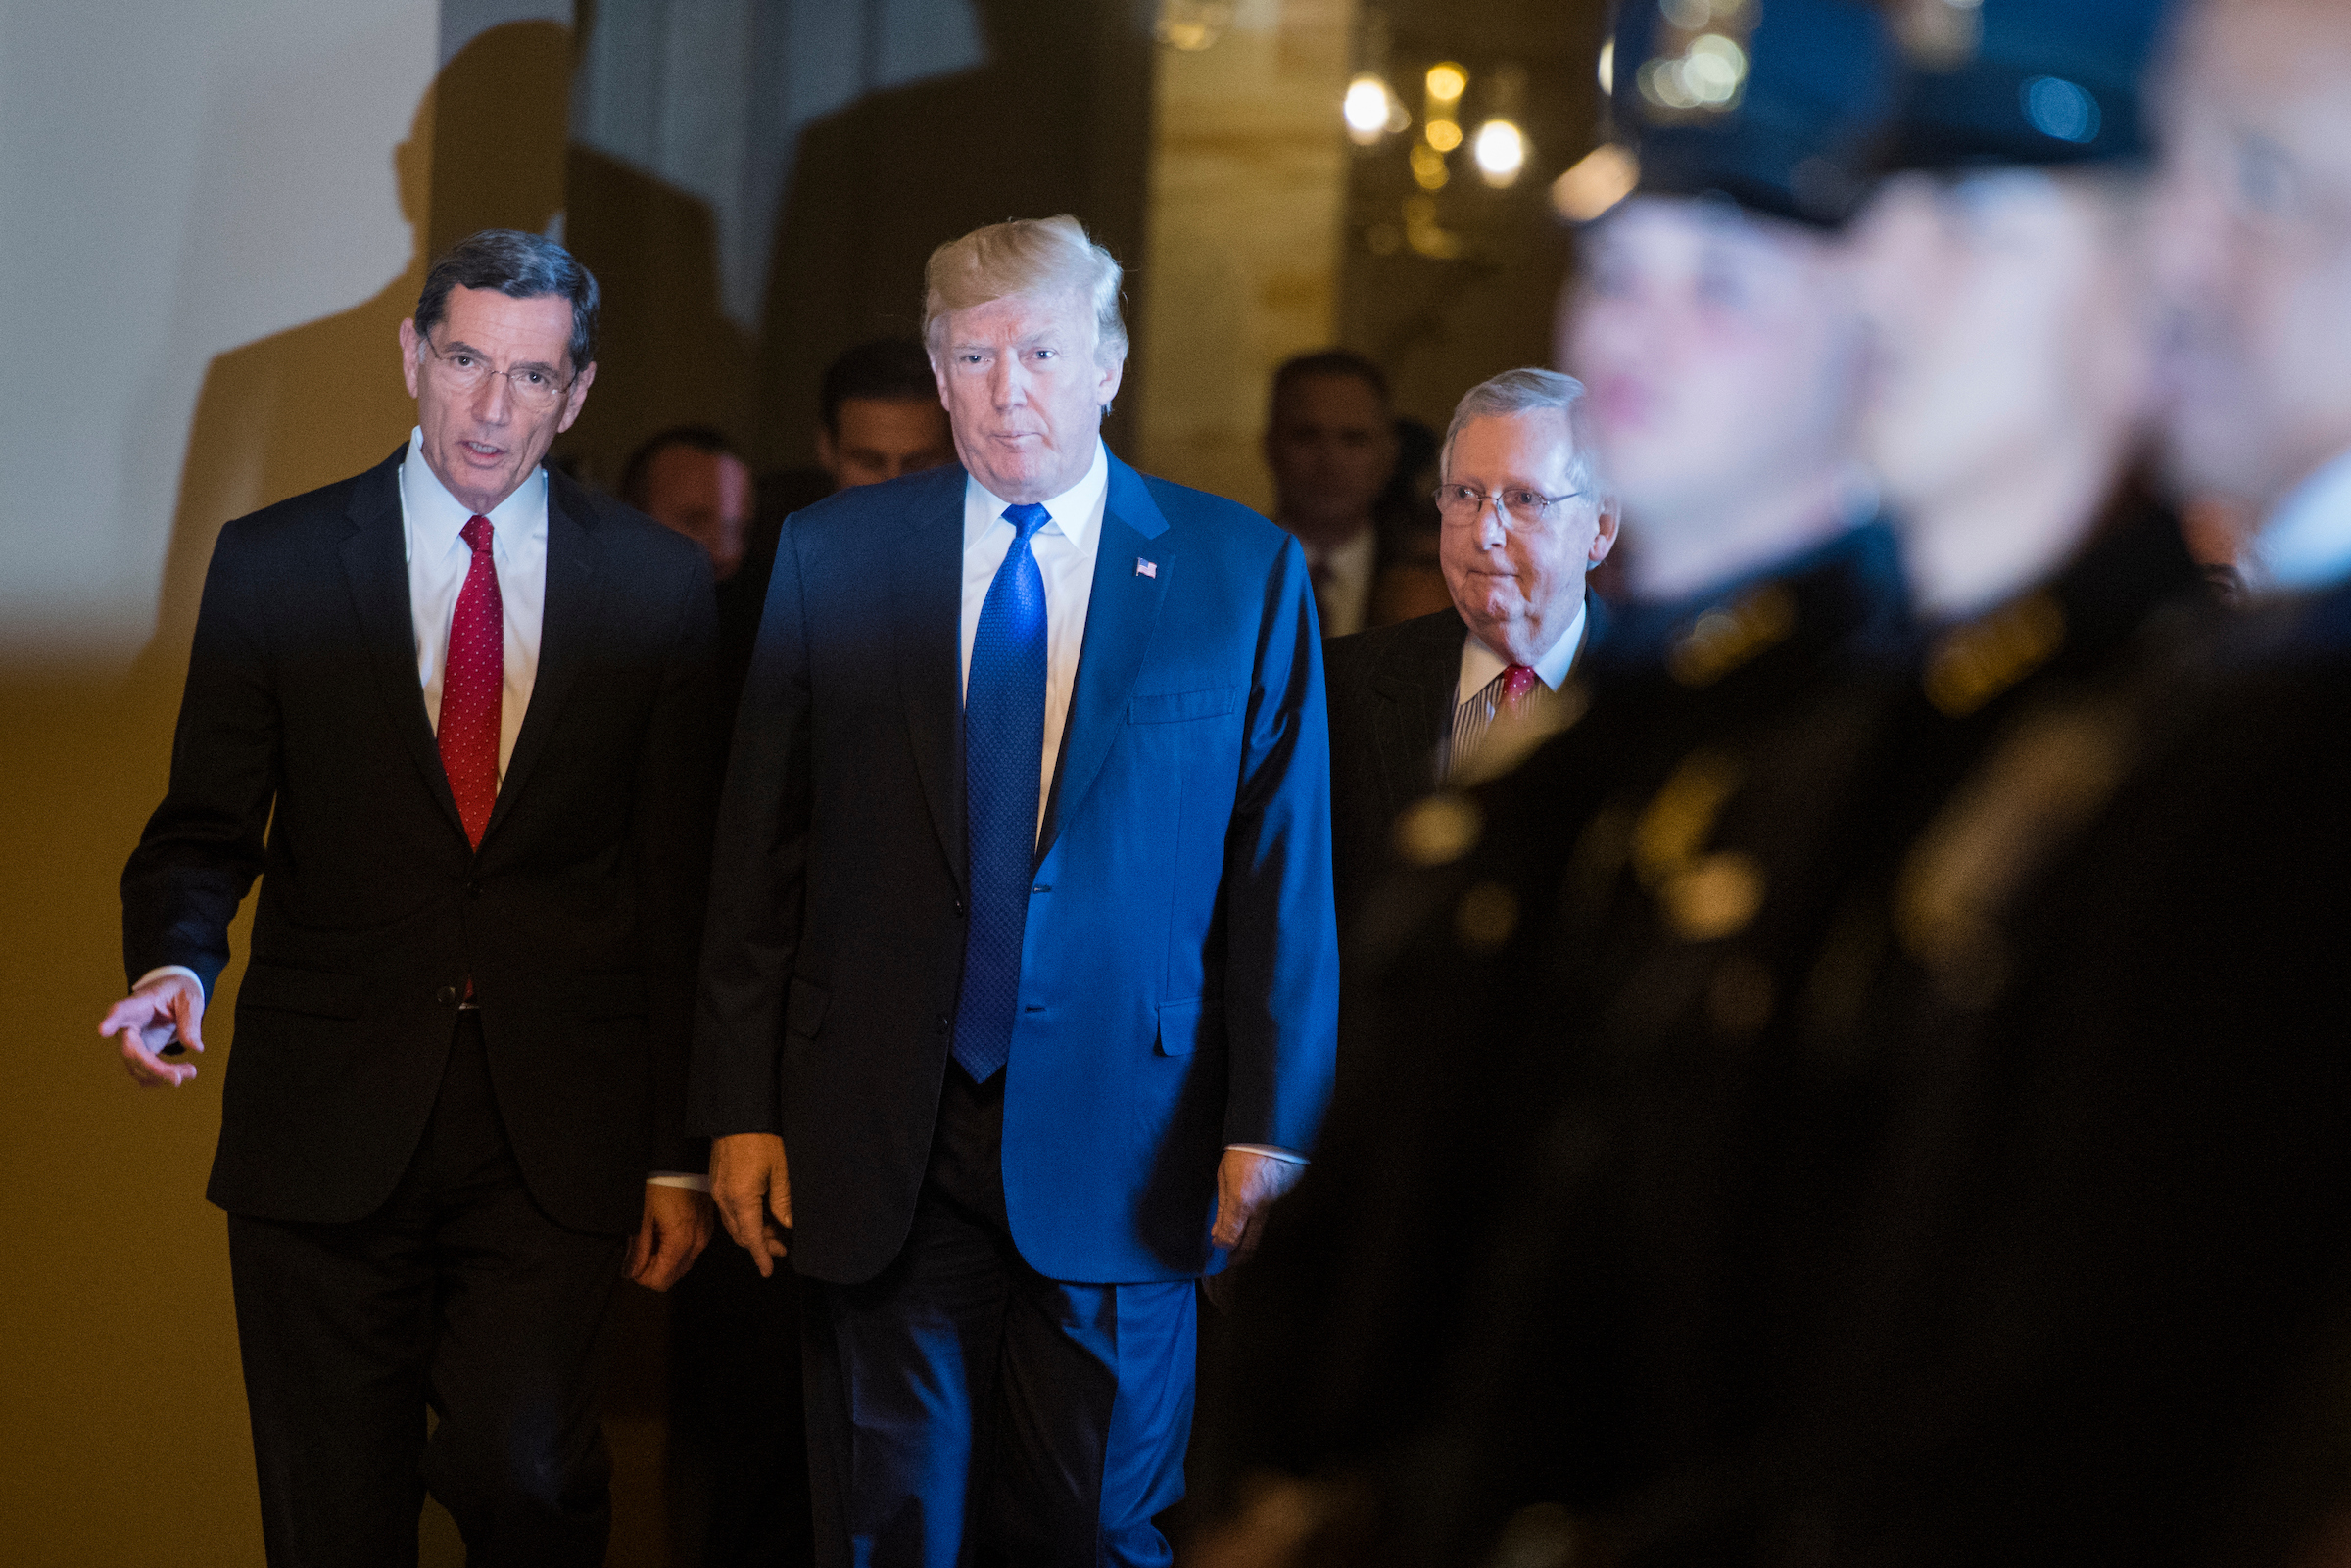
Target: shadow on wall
322,400
1056,121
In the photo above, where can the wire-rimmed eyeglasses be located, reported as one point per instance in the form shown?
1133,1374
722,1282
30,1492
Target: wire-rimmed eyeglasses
535,386
1463,505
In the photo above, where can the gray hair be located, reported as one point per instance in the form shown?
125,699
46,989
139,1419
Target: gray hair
521,266
1523,392
1026,256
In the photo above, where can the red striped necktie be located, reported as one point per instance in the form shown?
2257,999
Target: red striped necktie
473,686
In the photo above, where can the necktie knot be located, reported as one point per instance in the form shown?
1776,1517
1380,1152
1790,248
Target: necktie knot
1026,518
476,534
1517,681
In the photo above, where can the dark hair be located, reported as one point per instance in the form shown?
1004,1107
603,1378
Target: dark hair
521,266
1329,362
888,369
639,467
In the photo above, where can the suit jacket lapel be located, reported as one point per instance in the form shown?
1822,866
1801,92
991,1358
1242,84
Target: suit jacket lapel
929,656
376,566
566,626
1416,680
1118,620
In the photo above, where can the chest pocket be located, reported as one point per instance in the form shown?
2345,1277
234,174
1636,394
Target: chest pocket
1175,707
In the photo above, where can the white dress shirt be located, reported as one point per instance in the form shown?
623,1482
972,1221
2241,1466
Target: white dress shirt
432,522
1480,664
2306,543
1064,550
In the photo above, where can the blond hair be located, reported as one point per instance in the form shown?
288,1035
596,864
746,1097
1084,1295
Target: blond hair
1026,256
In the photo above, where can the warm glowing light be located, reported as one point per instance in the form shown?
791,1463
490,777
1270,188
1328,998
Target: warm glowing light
1499,151
1599,181
1443,134
1428,167
1607,67
1708,77
1446,81
1367,109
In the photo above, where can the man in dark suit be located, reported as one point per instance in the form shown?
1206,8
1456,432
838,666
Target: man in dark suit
455,714
1022,954
1524,520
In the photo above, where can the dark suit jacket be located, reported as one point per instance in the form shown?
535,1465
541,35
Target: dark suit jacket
1179,979
1391,718
576,919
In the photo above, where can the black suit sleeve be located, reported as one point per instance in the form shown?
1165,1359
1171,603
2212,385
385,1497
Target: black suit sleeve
204,845
759,874
670,827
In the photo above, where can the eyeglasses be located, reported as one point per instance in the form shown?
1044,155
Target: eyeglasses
1463,504
535,386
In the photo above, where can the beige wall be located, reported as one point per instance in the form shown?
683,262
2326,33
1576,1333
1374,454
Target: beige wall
1248,171
208,246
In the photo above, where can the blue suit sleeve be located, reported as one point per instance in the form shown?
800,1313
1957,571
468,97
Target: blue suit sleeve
1282,961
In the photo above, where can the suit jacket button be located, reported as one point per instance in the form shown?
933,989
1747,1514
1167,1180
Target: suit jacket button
959,906
944,1023
446,996
473,890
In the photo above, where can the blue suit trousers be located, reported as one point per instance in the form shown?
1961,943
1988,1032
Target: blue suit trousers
963,1409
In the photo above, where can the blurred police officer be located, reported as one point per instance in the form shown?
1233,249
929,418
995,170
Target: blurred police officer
1747,597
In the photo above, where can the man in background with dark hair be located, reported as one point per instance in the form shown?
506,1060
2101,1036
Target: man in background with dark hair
1330,441
882,415
454,713
692,481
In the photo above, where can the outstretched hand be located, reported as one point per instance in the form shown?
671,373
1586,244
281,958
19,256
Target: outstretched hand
148,1018
752,1187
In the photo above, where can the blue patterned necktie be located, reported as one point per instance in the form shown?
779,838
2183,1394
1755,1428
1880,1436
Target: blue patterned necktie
1004,757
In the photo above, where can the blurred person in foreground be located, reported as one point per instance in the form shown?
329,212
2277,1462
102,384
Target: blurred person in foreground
692,481
1723,350
1768,1315
2119,1241
1020,989
1331,443
1525,521
454,713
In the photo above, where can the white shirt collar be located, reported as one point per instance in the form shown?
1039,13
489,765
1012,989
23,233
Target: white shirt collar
436,518
1480,664
1076,511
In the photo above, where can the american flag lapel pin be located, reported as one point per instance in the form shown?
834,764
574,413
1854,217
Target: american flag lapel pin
1144,568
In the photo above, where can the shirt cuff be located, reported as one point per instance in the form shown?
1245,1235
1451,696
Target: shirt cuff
679,1178
1285,1156
161,970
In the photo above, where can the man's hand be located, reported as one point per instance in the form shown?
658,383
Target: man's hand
147,1018
753,1190
1247,1181
676,1229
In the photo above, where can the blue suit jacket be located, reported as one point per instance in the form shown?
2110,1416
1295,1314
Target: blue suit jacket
1178,973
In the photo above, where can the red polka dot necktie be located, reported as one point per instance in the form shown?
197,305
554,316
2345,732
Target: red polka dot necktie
473,687
1519,683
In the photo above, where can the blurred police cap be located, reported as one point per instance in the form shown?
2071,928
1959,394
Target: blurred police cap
2019,81
1768,102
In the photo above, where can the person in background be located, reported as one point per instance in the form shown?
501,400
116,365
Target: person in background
1412,579
1020,989
1723,351
692,481
455,714
1330,441
882,415
1411,704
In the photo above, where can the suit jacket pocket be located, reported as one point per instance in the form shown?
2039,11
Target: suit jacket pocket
292,990
1183,1026
1174,707
804,1008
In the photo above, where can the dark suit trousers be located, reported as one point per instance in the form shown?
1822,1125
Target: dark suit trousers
458,1293
964,1409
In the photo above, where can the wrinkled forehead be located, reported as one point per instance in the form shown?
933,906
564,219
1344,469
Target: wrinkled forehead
1535,447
